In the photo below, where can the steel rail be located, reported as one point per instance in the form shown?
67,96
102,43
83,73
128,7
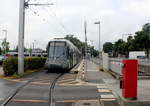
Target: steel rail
7,99
51,100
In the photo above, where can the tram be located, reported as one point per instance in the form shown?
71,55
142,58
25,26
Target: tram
62,55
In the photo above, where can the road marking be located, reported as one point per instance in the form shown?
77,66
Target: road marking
108,99
67,80
1,99
104,90
29,100
108,96
102,87
76,100
39,83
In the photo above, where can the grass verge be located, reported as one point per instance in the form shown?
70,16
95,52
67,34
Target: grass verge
17,76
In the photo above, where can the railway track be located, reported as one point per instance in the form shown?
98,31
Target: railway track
52,86
6,100
50,79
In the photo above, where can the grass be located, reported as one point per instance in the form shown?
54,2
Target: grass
17,76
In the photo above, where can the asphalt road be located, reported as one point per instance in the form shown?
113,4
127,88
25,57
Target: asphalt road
37,92
68,91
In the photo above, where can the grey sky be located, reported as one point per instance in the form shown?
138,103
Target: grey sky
67,17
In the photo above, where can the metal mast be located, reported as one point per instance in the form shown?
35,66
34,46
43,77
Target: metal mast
23,4
21,37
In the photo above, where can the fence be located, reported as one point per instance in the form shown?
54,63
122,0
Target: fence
115,65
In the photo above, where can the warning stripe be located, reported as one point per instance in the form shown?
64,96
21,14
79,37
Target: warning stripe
29,100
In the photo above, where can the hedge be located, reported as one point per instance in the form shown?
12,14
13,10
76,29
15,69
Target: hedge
10,65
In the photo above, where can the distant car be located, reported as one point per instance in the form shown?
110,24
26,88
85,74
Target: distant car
2,58
141,57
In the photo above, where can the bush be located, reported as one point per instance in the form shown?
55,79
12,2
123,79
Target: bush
10,65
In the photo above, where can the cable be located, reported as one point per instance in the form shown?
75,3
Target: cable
51,23
36,13
44,19
59,22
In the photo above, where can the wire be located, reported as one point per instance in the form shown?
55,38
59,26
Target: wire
36,13
58,20
51,23
44,19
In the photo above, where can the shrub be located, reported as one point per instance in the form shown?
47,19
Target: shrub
34,62
10,65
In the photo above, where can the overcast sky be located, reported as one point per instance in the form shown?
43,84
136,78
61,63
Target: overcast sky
67,17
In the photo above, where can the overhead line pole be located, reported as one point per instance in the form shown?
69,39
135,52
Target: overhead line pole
21,37
85,26
99,42
23,4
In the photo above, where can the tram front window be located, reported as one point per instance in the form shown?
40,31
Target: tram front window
57,49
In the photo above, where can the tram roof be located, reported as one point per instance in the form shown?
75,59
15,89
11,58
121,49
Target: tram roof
65,40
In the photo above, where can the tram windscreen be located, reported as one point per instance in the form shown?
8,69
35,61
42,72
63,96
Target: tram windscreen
57,49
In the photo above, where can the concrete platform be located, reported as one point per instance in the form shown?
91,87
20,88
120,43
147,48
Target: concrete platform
113,84
143,98
95,77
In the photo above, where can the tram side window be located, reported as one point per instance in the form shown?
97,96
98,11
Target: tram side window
51,51
68,55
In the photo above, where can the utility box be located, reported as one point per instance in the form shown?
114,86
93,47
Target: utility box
129,79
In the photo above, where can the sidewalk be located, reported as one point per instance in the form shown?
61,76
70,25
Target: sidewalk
143,98
93,75
105,79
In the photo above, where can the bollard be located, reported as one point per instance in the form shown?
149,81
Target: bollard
129,79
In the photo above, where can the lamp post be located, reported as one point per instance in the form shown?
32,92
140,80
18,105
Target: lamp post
85,29
91,49
98,22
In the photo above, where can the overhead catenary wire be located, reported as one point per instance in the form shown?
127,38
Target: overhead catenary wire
65,30
34,10
37,14
58,20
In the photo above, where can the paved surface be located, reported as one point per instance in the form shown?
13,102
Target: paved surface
95,76
100,90
143,87
143,93
94,92
1,70
6,88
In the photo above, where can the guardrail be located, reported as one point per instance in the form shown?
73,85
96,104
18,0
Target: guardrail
143,66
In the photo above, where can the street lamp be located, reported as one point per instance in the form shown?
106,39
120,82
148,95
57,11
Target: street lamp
98,22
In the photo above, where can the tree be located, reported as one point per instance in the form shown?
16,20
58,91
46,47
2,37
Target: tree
142,41
146,28
5,46
108,47
80,45
120,47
